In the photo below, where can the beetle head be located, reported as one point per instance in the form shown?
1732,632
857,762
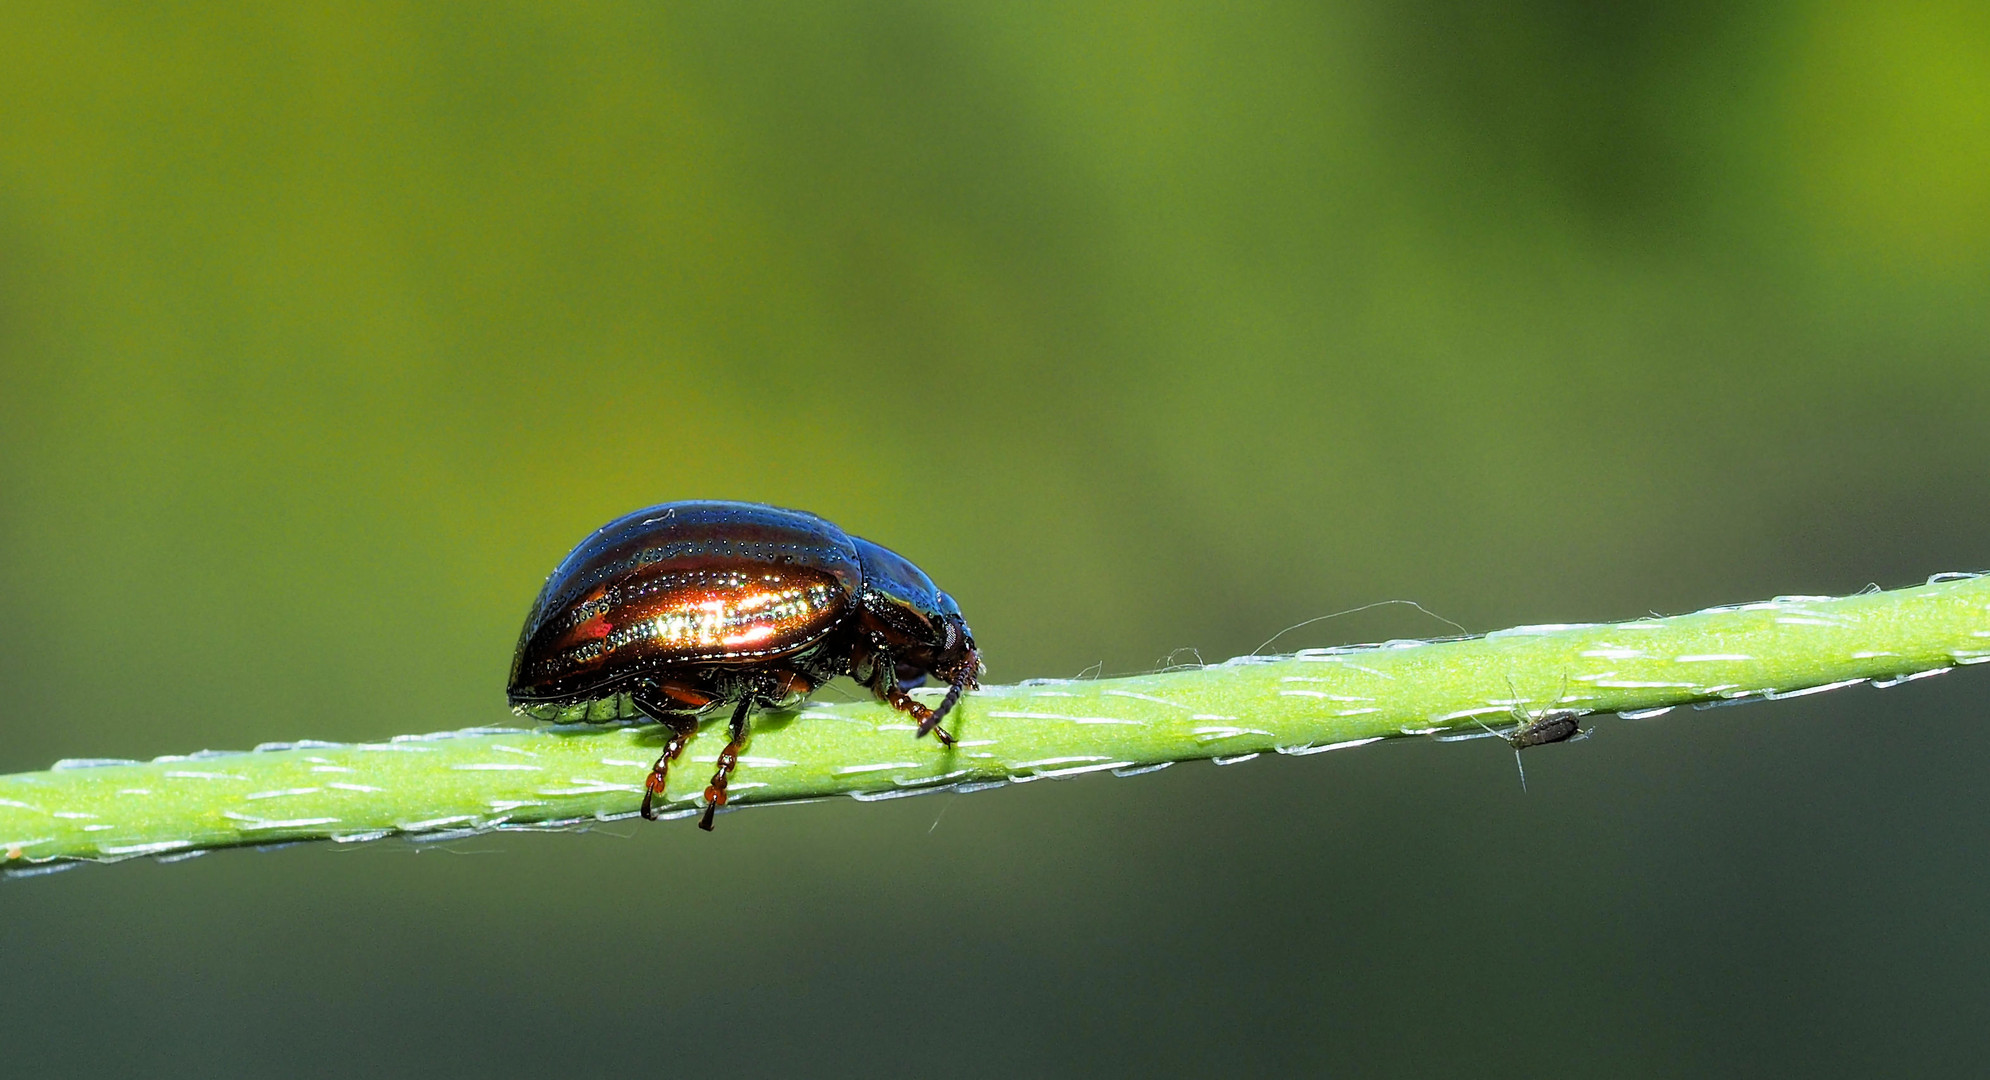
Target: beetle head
921,625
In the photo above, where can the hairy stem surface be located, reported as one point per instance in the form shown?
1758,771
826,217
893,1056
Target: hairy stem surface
457,783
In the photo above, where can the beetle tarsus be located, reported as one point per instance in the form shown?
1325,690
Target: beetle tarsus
715,794
931,721
681,730
653,788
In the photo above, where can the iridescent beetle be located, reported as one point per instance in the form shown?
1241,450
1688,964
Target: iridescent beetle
679,610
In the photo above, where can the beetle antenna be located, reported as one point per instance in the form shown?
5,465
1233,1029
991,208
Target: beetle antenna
946,706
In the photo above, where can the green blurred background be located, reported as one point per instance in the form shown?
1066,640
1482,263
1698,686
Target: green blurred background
1144,328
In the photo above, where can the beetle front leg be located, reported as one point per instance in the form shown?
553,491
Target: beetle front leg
891,693
715,795
897,698
883,681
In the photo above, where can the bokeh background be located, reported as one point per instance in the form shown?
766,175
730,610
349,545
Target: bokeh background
1145,328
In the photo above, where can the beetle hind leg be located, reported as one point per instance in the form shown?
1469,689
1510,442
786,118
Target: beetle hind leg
715,795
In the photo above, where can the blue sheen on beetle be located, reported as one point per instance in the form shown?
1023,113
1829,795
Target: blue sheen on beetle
684,609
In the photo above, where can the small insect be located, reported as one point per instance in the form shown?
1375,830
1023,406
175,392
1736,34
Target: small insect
683,609
1539,729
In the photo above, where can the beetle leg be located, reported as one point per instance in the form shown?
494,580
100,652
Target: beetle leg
895,696
786,688
715,795
864,658
681,729
885,683
665,702
657,698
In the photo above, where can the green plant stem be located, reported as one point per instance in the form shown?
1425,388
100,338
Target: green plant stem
455,783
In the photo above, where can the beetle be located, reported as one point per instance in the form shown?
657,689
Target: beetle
680,610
